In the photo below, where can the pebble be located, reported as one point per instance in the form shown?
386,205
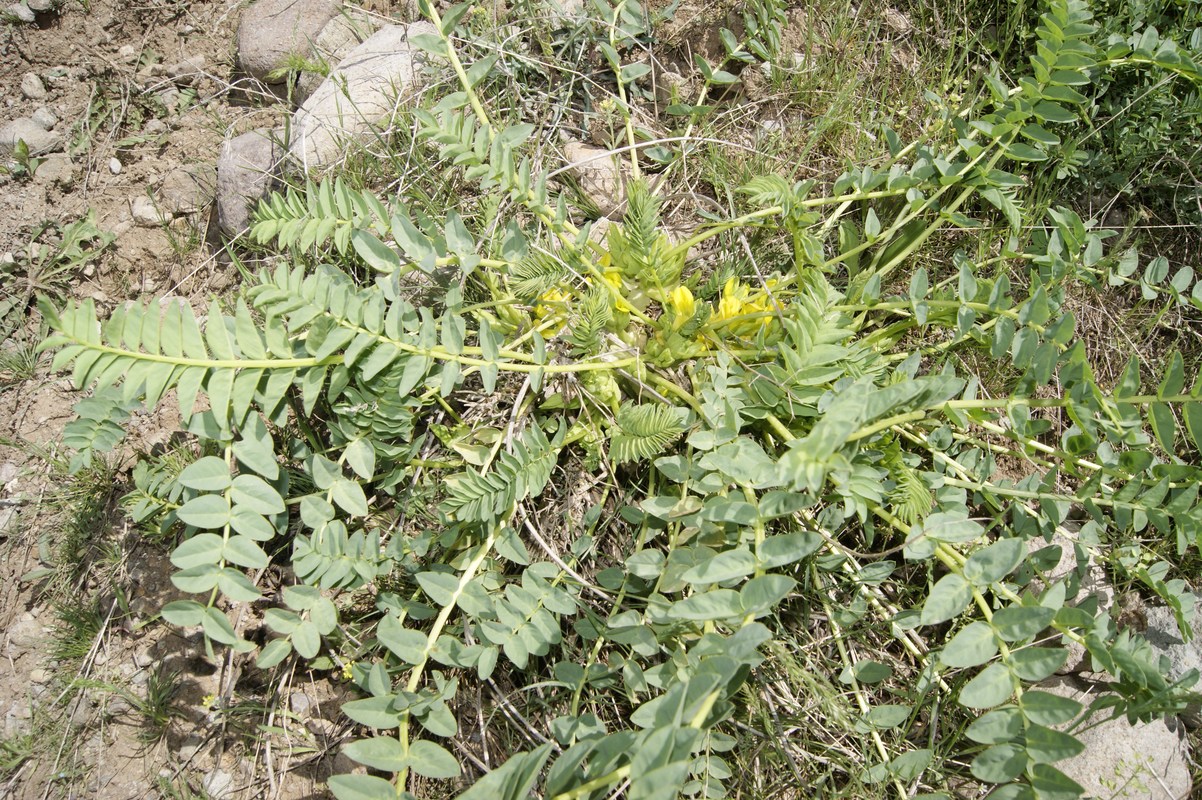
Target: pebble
38,675
190,747
22,12
41,6
115,166
127,53
44,117
145,213
218,784
32,86
155,127
143,659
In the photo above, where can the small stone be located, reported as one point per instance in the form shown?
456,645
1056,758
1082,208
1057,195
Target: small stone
219,784
8,470
169,96
42,6
36,138
117,707
115,166
154,127
38,675
45,118
246,171
32,86
143,659
187,190
146,214
127,53
190,747
186,71
301,704
596,174
22,12
57,170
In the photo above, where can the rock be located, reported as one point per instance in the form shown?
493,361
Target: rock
1088,586
8,469
300,704
22,12
44,118
246,172
143,659
595,173
187,71
127,53
38,139
338,38
115,166
190,747
1163,634
57,170
219,784
38,675
272,31
1121,761
146,214
32,86
118,706
186,190
359,94
43,6
154,127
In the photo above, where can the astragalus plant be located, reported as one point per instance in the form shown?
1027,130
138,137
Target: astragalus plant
570,509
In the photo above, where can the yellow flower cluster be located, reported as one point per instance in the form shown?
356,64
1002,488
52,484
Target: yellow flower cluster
743,311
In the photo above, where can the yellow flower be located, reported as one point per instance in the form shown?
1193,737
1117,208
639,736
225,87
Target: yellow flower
552,308
347,672
208,700
683,306
739,301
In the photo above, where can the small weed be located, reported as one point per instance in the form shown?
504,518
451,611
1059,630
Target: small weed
159,706
23,166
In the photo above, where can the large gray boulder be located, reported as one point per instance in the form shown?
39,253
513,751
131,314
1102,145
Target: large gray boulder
1179,656
271,31
247,170
362,92
1122,761
337,39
